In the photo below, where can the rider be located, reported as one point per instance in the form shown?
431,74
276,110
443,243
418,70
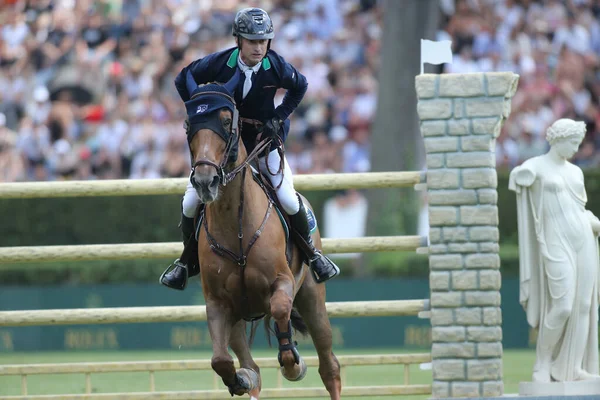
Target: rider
265,71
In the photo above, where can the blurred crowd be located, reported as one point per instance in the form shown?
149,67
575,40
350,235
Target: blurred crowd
86,87
554,45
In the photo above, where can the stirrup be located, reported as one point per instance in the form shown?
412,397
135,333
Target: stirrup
177,263
332,269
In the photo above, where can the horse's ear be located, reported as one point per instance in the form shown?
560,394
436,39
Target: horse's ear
190,83
233,82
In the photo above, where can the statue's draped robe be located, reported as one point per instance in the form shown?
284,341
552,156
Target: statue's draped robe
555,227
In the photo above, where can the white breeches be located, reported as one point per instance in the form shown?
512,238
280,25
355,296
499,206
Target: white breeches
286,192
190,202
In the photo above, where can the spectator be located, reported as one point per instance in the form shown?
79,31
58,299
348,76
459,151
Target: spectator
553,45
12,167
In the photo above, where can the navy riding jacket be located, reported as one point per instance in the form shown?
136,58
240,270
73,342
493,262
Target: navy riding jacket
258,104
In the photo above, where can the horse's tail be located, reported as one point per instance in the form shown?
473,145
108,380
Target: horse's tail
253,327
297,323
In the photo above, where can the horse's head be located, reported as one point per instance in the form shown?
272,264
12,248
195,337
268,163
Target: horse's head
213,138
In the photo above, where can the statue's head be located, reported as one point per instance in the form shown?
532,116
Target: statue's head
565,135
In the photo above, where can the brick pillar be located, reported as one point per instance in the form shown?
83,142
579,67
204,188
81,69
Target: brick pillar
461,116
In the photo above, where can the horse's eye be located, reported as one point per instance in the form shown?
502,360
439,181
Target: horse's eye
227,124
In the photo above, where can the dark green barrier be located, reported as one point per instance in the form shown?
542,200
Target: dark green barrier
367,332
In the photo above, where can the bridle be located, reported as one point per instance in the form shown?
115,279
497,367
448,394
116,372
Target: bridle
231,139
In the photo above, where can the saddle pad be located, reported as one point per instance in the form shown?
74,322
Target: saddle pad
312,221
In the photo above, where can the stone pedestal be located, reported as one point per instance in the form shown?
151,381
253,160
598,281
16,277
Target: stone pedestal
461,116
578,388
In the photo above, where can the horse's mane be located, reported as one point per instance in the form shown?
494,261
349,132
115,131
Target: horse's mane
213,87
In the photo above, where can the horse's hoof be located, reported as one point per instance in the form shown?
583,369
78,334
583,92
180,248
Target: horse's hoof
250,377
303,369
246,380
240,387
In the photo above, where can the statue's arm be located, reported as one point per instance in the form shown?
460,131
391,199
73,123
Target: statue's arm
594,221
523,175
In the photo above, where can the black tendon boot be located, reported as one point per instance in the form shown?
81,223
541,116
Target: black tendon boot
176,274
322,267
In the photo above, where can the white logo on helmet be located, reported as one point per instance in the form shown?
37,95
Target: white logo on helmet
202,108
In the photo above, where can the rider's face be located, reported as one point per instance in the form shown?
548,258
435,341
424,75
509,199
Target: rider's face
252,51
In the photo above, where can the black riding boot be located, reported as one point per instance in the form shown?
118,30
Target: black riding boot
176,274
322,267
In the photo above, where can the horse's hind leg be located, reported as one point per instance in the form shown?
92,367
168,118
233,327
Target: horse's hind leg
293,367
220,324
249,370
310,302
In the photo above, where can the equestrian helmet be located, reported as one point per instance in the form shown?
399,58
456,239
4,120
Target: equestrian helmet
253,24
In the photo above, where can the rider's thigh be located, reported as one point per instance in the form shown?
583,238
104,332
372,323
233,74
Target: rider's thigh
190,201
286,192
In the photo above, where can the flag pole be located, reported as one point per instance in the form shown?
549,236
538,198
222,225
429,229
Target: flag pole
421,57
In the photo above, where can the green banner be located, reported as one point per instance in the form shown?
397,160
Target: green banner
365,332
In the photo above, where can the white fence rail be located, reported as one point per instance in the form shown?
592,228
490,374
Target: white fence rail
139,187
119,315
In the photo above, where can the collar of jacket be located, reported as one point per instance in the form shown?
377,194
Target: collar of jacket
232,62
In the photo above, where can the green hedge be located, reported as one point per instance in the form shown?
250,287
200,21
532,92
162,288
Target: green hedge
99,220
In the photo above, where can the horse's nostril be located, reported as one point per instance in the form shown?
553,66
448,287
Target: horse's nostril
215,182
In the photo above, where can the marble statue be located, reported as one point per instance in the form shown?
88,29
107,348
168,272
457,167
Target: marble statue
559,263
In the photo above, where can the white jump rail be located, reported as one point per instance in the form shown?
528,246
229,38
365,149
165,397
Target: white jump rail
22,254
152,367
279,393
119,315
201,365
164,186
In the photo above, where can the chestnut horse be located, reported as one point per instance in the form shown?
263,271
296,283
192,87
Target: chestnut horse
245,272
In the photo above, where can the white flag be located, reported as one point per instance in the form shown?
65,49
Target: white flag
435,52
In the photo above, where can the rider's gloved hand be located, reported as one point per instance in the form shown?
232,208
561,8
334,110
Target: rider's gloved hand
272,128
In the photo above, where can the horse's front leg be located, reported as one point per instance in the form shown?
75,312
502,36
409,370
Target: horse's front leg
249,371
293,367
220,323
